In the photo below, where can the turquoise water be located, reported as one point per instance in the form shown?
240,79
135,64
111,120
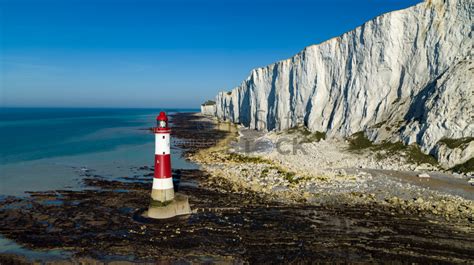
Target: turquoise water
46,149
29,134
43,149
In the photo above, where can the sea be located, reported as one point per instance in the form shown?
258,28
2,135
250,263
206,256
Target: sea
49,148
45,149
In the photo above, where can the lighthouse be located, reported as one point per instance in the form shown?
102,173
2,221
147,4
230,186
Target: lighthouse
164,202
163,189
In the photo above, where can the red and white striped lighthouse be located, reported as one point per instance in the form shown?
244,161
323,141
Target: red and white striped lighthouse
163,190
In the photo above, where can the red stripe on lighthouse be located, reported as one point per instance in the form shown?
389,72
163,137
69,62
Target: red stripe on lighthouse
162,166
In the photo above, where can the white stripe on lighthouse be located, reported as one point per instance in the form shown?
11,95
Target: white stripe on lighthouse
162,143
162,184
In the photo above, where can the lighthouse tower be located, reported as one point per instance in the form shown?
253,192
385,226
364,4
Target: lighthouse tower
164,202
163,190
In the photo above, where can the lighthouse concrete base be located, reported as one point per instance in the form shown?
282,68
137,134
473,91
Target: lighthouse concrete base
163,195
163,210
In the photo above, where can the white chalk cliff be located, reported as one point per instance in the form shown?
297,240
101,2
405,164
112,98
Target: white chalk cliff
403,76
208,110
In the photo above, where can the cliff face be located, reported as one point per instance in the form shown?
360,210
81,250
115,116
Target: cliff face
209,110
403,76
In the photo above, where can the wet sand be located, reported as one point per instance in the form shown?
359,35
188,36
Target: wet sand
438,181
228,226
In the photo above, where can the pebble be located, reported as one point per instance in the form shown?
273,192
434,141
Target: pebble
419,200
423,175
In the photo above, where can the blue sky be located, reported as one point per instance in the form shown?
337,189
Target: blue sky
145,53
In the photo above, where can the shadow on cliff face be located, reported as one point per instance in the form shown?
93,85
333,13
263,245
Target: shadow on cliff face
227,227
417,113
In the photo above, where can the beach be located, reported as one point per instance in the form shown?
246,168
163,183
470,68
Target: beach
233,132
240,216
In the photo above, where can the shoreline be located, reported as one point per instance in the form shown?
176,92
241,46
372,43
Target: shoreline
233,220
299,176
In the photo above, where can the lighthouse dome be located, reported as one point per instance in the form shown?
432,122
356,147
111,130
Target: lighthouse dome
162,117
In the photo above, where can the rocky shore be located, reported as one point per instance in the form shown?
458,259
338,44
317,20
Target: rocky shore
247,209
326,172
